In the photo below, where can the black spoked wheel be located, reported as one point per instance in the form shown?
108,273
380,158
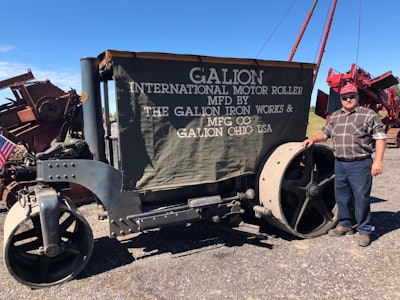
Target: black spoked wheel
23,247
297,184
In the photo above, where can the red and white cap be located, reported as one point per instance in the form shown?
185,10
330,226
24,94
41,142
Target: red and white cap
348,88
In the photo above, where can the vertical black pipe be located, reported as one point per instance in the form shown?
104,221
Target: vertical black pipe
92,109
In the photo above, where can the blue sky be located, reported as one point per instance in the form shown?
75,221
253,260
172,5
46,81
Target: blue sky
50,37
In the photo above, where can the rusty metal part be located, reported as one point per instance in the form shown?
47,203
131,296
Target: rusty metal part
50,109
10,192
40,114
393,140
296,184
21,153
23,246
16,80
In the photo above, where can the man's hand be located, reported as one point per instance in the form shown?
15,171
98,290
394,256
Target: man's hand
319,137
307,143
376,168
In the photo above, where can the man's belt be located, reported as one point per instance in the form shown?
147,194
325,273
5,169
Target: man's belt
353,159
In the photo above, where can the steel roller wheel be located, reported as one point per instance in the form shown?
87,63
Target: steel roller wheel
23,246
297,185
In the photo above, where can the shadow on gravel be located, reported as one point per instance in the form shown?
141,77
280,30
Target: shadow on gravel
377,200
385,222
180,240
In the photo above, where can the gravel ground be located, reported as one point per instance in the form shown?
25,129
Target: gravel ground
202,262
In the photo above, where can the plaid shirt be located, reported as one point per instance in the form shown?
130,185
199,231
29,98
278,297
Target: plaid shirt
353,134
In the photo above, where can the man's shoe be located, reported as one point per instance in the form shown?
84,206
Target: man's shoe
363,240
340,230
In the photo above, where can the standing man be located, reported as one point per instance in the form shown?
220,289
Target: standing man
353,130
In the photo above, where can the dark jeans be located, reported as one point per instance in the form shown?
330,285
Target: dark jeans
353,182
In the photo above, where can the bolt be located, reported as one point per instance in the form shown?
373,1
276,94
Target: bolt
216,219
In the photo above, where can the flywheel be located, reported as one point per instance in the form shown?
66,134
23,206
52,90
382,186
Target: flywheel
297,185
49,109
23,246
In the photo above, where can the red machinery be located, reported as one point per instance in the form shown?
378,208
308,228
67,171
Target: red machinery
40,114
378,94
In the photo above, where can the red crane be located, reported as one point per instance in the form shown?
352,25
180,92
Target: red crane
379,93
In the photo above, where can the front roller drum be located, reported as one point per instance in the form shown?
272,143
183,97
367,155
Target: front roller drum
297,185
23,246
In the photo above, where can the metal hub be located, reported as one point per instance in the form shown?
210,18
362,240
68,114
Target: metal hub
312,191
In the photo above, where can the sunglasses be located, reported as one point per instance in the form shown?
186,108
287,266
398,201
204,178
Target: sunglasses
349,96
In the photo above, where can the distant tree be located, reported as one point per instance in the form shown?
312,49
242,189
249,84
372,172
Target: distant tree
398,91
113,116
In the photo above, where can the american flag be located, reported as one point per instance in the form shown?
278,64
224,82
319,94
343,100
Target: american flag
6,149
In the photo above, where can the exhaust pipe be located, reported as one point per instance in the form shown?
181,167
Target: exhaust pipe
92,108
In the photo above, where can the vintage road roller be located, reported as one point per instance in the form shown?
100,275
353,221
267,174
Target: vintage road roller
196,138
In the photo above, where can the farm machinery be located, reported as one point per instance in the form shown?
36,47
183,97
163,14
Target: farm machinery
377,93
198,138
40,114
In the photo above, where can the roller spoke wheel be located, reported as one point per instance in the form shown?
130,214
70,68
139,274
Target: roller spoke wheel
297,185
23,247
